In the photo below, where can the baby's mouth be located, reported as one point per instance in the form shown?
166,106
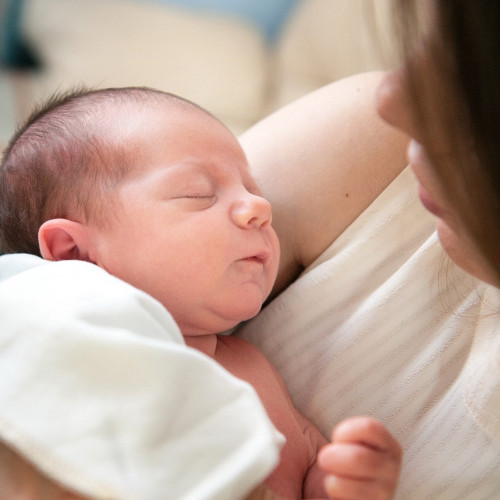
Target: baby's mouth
255,258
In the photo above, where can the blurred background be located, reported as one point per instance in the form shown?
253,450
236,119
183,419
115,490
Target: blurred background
240,59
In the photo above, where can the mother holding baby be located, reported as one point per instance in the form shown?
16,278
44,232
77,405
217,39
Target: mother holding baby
387,300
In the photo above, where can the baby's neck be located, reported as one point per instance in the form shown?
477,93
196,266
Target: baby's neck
207,344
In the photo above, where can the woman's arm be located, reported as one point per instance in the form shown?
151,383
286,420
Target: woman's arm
321,161
20,479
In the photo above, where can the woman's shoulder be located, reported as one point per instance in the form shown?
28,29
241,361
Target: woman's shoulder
321,161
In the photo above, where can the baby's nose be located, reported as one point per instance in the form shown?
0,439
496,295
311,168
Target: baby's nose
252,211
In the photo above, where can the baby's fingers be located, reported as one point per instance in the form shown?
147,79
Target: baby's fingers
354,489
369,432
363,460
356,472
356,461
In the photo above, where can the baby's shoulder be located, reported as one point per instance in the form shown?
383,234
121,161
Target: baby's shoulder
234,349
247,362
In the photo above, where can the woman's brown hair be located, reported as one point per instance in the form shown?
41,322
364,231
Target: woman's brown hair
457,99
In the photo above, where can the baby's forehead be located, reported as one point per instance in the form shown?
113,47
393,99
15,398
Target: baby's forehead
131,124
149,134
159,105
136,119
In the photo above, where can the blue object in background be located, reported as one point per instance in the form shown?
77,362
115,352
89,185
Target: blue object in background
14,52
268,16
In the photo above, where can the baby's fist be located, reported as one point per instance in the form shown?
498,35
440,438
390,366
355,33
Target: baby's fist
362,462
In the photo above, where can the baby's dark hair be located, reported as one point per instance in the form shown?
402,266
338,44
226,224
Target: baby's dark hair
60,163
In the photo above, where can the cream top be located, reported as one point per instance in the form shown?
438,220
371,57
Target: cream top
383,324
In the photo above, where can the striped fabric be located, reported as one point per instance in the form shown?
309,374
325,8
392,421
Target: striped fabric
384,324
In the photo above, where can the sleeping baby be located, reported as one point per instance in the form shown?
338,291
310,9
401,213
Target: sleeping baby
156,191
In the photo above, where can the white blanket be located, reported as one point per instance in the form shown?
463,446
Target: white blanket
99,391
383,324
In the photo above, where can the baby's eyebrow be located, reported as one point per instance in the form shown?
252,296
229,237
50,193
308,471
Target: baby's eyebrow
179,168
192,169
184,175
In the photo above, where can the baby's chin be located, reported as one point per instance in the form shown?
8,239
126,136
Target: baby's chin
248,314
250,311
217,322
235,320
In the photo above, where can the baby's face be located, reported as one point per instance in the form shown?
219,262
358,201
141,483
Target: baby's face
191,228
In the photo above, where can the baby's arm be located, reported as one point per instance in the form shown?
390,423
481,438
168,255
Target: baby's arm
362,461
313,486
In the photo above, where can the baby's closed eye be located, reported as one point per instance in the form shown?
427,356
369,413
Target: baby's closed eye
195,201
197,196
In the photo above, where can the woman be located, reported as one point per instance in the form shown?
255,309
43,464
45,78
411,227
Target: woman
378,321
446,98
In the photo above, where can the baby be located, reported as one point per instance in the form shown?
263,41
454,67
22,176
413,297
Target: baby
156,191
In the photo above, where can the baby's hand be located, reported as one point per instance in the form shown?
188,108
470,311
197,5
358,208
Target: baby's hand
362,462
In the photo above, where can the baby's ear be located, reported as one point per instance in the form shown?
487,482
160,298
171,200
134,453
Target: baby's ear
63,239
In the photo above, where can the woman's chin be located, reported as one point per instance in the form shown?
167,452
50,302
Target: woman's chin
462,252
